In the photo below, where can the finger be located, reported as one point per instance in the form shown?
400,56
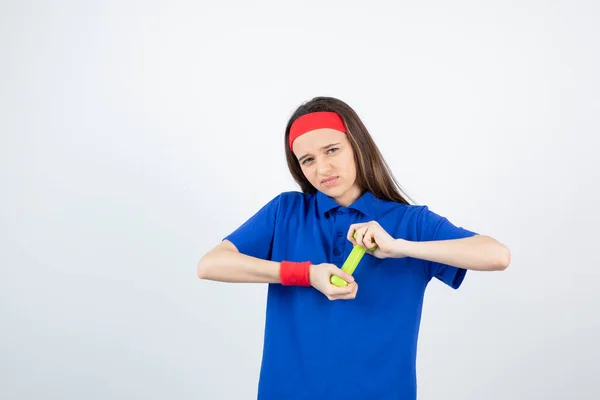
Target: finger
348,296
337,296
353,228
341,273
369,240
341,292
358,234
337,291
361,236
352,294
350,233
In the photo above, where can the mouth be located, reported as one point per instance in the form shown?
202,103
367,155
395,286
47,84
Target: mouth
330,181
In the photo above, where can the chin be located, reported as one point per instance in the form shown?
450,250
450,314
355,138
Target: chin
334,191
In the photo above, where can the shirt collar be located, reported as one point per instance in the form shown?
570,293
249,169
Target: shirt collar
366,204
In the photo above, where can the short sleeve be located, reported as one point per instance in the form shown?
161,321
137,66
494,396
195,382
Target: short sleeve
432,226
255,236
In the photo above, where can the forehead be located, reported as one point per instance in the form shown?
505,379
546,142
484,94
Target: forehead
313,140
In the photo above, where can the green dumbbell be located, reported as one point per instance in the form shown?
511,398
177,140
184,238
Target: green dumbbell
350,264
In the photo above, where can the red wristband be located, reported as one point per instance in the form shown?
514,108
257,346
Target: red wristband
295,273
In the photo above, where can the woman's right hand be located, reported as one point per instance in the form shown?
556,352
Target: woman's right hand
319,279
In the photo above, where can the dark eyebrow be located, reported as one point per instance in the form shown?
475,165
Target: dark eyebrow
322,148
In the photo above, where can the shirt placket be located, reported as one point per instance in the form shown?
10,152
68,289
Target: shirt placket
339,236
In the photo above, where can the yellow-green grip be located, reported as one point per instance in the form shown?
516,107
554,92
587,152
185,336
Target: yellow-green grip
350,264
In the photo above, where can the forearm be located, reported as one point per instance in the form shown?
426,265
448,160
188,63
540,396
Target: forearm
480,253
232,266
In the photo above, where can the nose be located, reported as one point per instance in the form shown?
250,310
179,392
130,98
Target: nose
324,166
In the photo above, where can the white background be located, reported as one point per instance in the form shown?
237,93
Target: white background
134,136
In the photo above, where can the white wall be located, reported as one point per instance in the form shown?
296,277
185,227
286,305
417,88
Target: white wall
134,136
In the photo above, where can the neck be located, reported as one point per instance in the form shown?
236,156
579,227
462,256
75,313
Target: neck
349,196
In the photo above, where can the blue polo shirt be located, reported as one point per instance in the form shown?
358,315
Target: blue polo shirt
364,348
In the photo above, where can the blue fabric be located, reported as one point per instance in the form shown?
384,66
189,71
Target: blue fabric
363,348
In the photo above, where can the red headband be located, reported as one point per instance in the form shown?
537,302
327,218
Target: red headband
315,120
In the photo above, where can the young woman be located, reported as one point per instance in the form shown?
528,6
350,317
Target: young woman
316,347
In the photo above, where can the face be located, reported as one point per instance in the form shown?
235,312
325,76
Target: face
327,161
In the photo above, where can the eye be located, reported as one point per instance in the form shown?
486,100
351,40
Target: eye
332,150
306,160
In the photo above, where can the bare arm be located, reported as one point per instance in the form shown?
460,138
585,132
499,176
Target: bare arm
479,253
225,263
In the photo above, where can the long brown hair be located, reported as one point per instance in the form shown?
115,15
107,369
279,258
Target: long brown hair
373,173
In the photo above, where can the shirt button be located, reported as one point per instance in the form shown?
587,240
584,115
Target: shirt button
340,234
336,252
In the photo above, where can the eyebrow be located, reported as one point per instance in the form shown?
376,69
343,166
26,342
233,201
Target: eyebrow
322,148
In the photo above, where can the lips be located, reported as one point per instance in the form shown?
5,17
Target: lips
330,181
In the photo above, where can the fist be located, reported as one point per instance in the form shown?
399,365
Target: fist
320,275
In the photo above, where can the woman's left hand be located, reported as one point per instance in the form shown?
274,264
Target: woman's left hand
369,234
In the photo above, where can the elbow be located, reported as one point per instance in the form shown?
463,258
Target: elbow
209,266
201,272
497,255
503,259
203,269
